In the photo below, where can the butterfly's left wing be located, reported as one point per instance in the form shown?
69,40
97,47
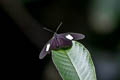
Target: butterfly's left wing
56,42
45,50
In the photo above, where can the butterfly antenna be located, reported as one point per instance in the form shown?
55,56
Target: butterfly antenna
48,29
59,26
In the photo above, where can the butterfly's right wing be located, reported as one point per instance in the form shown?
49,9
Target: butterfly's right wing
77,36
73,36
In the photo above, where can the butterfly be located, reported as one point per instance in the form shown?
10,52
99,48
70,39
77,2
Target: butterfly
58,41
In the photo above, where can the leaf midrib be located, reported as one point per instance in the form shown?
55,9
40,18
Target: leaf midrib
73,65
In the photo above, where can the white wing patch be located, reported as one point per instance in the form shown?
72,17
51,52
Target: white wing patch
48,47
69,37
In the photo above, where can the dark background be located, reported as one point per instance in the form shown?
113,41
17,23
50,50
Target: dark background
23,38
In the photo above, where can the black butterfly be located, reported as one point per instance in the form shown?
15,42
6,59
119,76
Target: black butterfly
58,41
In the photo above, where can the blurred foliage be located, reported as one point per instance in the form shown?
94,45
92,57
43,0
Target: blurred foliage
29,1
104,16
26,1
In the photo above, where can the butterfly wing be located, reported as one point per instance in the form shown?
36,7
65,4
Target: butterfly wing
73,36
43,53
45,50
64,39
77,36
51,45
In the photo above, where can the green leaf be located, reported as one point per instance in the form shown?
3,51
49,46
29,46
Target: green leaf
74,63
